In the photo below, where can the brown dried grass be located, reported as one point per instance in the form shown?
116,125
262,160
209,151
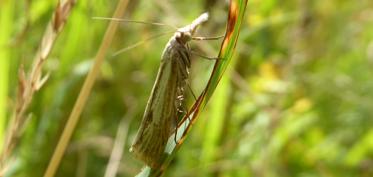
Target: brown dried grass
32,82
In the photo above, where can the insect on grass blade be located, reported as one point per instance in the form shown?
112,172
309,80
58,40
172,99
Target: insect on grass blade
166,98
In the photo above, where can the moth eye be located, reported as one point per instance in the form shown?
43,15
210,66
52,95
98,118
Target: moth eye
188,35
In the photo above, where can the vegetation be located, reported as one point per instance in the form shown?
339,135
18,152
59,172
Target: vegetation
296,99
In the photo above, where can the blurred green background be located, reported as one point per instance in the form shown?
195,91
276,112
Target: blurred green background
297,99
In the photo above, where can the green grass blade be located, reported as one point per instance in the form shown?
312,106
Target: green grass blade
6,20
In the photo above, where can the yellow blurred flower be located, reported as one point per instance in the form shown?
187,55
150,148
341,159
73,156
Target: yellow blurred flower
268,70
255,20
302,105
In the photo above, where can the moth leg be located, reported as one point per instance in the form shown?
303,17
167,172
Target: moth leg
191,52
207,38
205,57
175,140
191,91
181,109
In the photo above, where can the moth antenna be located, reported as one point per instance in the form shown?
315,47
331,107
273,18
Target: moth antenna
141,42
134,21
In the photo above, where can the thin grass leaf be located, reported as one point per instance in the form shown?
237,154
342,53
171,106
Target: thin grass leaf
6,15
235,17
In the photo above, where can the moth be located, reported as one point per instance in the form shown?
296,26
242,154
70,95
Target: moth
166,98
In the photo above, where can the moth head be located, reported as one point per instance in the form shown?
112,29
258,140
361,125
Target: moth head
183,36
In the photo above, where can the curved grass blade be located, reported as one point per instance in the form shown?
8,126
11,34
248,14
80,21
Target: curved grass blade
235,18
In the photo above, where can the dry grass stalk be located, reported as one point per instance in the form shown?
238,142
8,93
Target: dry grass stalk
119,144
29,85
84,92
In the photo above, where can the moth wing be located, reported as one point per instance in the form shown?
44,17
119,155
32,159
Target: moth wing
157,124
